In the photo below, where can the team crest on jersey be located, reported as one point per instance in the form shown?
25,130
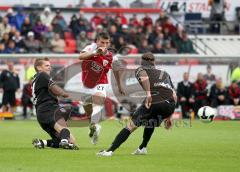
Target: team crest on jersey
105,62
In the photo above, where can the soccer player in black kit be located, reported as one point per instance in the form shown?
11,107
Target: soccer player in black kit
51,117
158,105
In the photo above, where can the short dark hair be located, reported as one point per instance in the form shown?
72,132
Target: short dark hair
148,56
39,62
103,35
148,59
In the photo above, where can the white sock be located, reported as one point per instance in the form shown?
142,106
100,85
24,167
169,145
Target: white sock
96,109
45,142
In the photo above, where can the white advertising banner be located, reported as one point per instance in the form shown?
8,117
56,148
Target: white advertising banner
200,6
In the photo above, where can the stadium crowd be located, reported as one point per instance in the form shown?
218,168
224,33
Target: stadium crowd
48,32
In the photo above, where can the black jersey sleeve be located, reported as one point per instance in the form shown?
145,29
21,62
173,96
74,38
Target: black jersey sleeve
137,73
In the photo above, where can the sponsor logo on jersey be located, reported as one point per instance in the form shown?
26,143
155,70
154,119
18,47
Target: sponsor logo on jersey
162,84
105,62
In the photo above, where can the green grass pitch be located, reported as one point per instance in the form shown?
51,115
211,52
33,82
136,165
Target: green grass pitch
200,147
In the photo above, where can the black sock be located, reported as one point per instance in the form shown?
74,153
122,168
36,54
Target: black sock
120,138
146,136
53,143
65,134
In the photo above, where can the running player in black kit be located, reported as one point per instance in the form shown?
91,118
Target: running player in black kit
51,117
158,105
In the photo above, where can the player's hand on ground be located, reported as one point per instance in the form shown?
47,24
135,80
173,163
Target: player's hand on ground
167,123
148,101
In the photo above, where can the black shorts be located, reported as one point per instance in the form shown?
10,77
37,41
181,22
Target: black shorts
153,116
9,98
48,116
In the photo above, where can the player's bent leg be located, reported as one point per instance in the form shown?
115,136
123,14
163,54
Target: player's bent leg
98,100
147,134
119,140
67,140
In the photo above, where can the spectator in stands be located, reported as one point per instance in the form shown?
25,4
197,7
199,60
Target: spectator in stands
159,38
34,16
98,29
185,93
27,98
19,41
2,48
81,4
217,14
57,28
32,45
11,48
99,4
168,48
83,18
26,27
167,34
161,19
177,37
81,26
147,20
74,25
45,45
234,93
60,20
118,23
133,21
200,94
169,24
133,35
49,34
114,34
10,84
145,47
125,33
82,41
209,76
4,27
185,45
20,17
12,32
39,30
114,3
158,49
218,94
124,20
58,44
96,20
152,36
47,16
139,37
11,17
5,39
137,4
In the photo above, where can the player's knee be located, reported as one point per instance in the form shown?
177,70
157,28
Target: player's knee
98,99
131,126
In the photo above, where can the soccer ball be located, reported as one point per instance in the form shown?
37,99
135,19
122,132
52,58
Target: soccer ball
206,114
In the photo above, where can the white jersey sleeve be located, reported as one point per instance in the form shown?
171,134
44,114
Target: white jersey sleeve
90,48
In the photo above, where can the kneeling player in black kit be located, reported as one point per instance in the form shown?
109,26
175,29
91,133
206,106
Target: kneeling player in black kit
158,105
51,117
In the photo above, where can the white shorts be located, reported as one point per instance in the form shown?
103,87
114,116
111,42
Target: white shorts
100,88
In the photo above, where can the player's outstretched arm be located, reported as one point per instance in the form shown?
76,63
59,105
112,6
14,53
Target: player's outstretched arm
117,68
58,91
86,55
